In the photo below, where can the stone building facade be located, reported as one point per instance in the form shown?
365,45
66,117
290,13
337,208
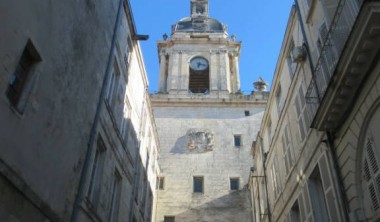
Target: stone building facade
317,156
205,124
78,139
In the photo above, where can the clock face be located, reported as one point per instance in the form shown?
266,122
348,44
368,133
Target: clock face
198,64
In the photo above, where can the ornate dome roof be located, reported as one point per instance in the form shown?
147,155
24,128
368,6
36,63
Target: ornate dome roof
199,24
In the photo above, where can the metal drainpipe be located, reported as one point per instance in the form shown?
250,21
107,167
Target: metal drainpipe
265,179
306,44
94,128
330,140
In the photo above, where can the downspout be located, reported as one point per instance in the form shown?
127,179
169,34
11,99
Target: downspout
265,178
307,47
330,140
94,128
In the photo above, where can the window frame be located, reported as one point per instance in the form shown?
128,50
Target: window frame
238,142
195,187
237,180
24,76
169,218
115,200
161,183
94,188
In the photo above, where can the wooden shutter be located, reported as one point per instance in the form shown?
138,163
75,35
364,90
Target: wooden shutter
328,188
308,208
330,7
302,207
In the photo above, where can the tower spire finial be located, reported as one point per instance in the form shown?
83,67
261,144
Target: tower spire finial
199,8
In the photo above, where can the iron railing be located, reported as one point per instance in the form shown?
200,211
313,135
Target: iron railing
330,50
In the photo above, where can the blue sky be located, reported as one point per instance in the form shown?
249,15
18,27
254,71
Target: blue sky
260,25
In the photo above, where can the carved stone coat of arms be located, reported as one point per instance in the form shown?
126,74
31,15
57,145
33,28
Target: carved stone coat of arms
200,140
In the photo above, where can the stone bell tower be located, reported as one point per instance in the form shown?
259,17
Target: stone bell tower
206,125
199,57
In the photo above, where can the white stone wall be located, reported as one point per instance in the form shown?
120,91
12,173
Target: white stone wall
179,165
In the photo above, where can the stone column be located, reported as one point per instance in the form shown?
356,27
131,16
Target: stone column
163,74
214,76
173,73
223,72
184,81
236,73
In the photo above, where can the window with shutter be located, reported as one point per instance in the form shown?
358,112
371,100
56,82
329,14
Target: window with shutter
287,150
371,175
22,81
295,215
97,172
329,7
328,186
302,114
308,209
302,207
290,61
317,196
113,86
126,119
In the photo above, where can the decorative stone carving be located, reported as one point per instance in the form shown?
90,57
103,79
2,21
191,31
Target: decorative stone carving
200,140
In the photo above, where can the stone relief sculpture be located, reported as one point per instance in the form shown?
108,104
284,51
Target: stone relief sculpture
200,140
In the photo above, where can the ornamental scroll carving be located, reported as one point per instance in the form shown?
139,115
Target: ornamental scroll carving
200,140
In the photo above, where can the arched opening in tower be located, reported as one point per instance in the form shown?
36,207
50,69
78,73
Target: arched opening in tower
199,81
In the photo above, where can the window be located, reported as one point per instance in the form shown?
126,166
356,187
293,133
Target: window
22,80
295,215
113,84
161,183
237,140
309,3
234,183
330,8
198,184
169,219
96,174
125,122
290,60
143,195
269,131
116,193
275,178
287,150
247,113
278,98
150,203
303,116
317,196
128,53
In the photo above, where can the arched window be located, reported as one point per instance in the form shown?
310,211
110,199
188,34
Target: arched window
199,81
371,175
370,165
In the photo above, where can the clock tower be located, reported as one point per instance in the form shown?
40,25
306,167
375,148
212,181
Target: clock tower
205,124
199,57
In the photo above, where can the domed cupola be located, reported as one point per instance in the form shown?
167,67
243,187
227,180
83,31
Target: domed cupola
199,21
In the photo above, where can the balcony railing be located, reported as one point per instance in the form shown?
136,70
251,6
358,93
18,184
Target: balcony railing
331,50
